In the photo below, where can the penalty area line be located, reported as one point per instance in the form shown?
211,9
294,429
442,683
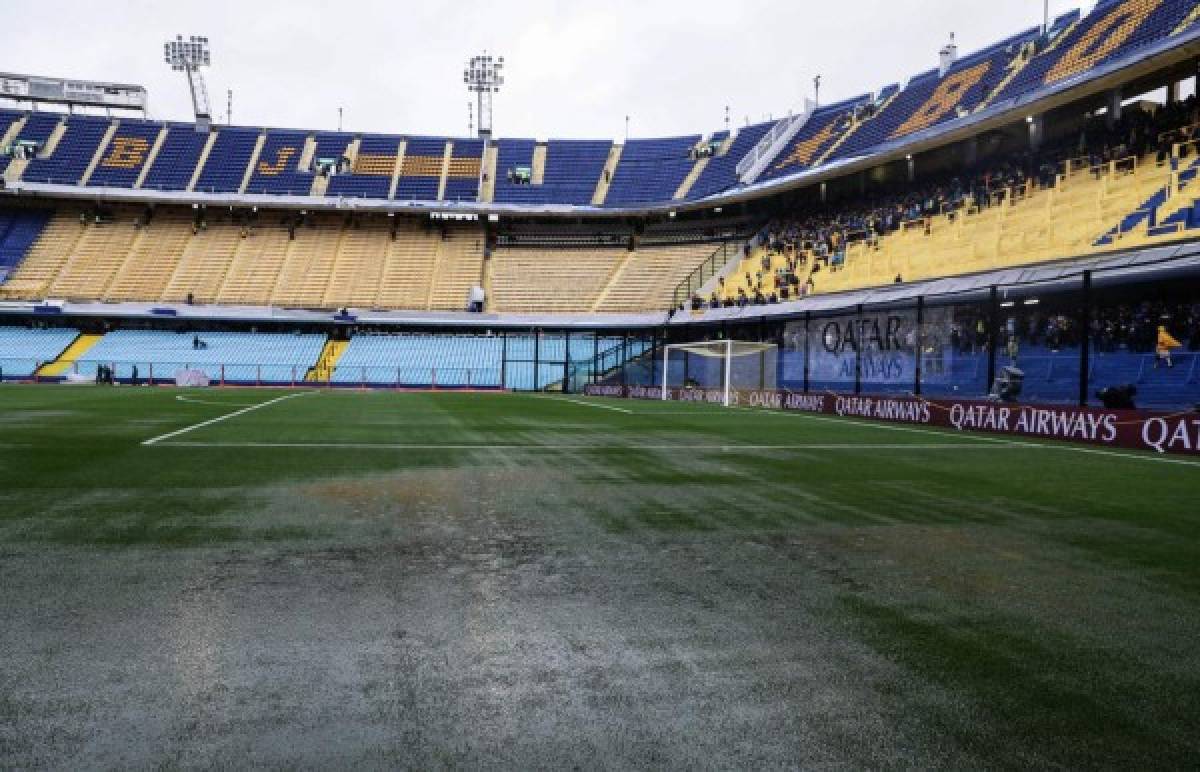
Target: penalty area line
160,438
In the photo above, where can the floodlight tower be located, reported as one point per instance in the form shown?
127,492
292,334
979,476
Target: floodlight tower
483,77
189,56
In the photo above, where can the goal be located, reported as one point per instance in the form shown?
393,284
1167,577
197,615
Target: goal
721,366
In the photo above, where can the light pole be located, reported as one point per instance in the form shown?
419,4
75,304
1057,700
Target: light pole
483,77
817,90
189,56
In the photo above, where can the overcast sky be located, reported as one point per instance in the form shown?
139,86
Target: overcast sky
575,69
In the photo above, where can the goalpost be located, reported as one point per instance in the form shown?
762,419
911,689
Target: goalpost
722,365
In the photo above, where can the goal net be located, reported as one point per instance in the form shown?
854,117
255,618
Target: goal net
720,367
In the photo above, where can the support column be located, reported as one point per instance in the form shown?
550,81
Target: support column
807,319
566,387
858,347
1085,337
1037,132
911,166
1173,89
993,326
971,151
824,192
1115,97
918,345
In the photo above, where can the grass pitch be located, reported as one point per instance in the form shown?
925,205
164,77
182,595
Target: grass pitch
330,578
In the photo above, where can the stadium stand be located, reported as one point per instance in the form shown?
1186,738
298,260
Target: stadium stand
1113,30
721,171
573,167
226,357
23,350
65,162
322,261
278,169
572,172
651,170
462,174
1132,188
823,130
9,124
123,159
592,279
175,164
932,97
421,169
329,158
521,362
514,155
225,168
372,169
19,229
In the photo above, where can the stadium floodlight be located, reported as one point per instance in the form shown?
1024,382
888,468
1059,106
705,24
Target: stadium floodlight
721,368
188,56
483,77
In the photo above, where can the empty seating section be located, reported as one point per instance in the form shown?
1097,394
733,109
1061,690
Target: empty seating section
329,152
277,169
371,173
513,155
98,254
459,268
37,130
126,154
519,362
422,360
19,229
73,153
930,99
592,279
332,261
573,167
176,161
1111,31
45,259
648,278
651,170
226,165
815,138
648,171
255,268
721,172
462,175
7,119
421,169
550,280
229,357
23,350
153,259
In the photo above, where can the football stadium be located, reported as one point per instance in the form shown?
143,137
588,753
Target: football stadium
862,437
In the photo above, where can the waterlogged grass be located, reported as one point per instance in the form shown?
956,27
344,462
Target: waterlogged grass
676,585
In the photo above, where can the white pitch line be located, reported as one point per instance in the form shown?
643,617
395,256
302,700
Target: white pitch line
436,446
596,405
218,419
182,398
1015,443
